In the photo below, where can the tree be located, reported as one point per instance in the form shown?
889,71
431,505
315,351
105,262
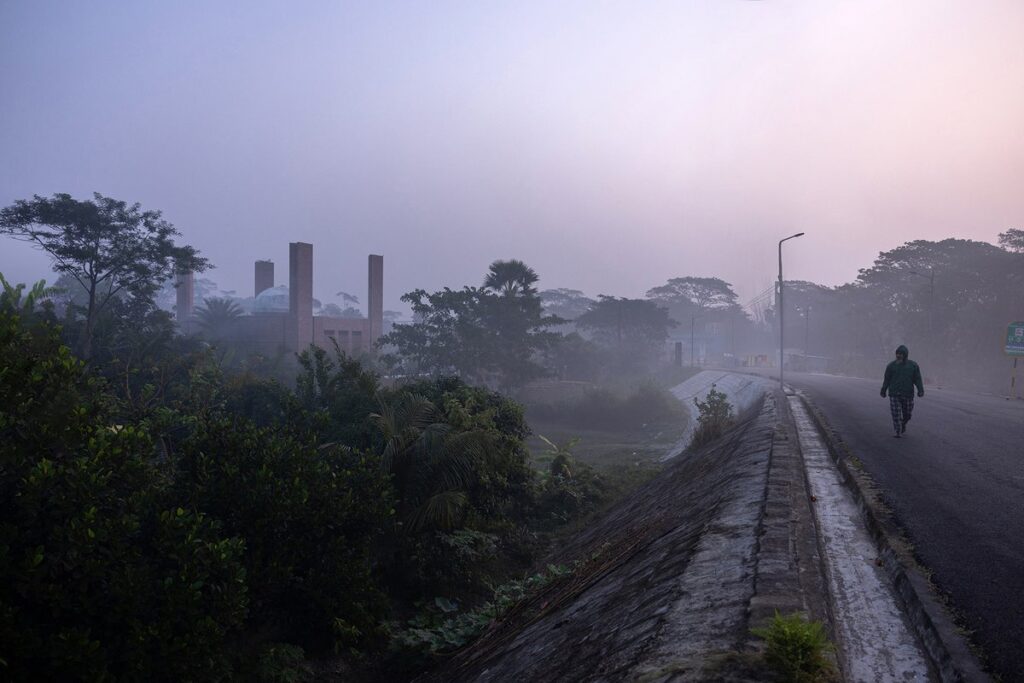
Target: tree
108,247
493,332
565,303
511,278
708,306
631,331
701,293
626,322
1012,240
217,315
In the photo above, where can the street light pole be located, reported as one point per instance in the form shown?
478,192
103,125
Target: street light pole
782,345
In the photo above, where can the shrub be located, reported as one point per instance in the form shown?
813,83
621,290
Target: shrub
309,515
713,418
103,576
570,489
797,650
440,627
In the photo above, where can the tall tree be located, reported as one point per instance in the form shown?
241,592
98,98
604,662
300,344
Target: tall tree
490,333
217,315
565,303
703,293
1012,240
627,323
109,247
511,278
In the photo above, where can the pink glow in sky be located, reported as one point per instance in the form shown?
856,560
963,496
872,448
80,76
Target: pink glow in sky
609,145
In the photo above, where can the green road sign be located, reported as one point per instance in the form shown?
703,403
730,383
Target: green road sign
1015,339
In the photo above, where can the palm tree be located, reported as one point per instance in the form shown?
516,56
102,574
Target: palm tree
432,465
217,316
511,278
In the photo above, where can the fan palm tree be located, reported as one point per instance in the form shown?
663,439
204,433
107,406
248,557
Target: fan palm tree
511,278
217,316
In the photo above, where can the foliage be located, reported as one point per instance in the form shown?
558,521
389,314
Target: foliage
440,628
511,278
457,463
103,575
334,397
216,316
797,650
107,246
698,293
570,489
1012,240
714,415
567,304
493,333
633,330
280,663
27,306
948,301
309,514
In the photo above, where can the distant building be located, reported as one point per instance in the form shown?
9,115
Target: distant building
282,317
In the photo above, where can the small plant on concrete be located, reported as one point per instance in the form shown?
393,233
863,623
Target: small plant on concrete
714,415
797,649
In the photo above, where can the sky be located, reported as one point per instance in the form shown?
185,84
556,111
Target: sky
609,145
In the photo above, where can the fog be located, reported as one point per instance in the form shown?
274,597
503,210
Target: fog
611,147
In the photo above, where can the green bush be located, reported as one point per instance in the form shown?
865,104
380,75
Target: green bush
714,416
310,515
103,576
569,489
440,627
797,650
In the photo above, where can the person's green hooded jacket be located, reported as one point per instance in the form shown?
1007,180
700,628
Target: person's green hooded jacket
902,377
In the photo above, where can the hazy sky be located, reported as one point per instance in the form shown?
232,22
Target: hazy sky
610,145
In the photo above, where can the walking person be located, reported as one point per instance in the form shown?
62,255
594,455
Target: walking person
901,377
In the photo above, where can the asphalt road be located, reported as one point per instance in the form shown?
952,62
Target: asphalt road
956,485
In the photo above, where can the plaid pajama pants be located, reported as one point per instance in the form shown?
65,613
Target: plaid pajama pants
901,407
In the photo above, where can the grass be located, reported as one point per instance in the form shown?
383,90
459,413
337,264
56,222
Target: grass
639,447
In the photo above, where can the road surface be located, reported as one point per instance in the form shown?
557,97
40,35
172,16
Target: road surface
956,485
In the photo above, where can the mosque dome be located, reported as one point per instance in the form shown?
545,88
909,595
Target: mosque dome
273,300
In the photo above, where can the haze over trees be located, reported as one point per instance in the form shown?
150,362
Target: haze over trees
495,331
110,248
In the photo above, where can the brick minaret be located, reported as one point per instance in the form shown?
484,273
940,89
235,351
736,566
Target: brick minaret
264,276
300,295
375,297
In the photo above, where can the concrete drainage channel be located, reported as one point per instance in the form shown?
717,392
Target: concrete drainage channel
875,642
888,623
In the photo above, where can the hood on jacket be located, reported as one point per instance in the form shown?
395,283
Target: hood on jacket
902,350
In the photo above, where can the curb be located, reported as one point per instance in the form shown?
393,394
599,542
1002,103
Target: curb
944,644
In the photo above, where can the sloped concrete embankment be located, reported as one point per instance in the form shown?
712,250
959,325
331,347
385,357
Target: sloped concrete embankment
743,391
665,582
